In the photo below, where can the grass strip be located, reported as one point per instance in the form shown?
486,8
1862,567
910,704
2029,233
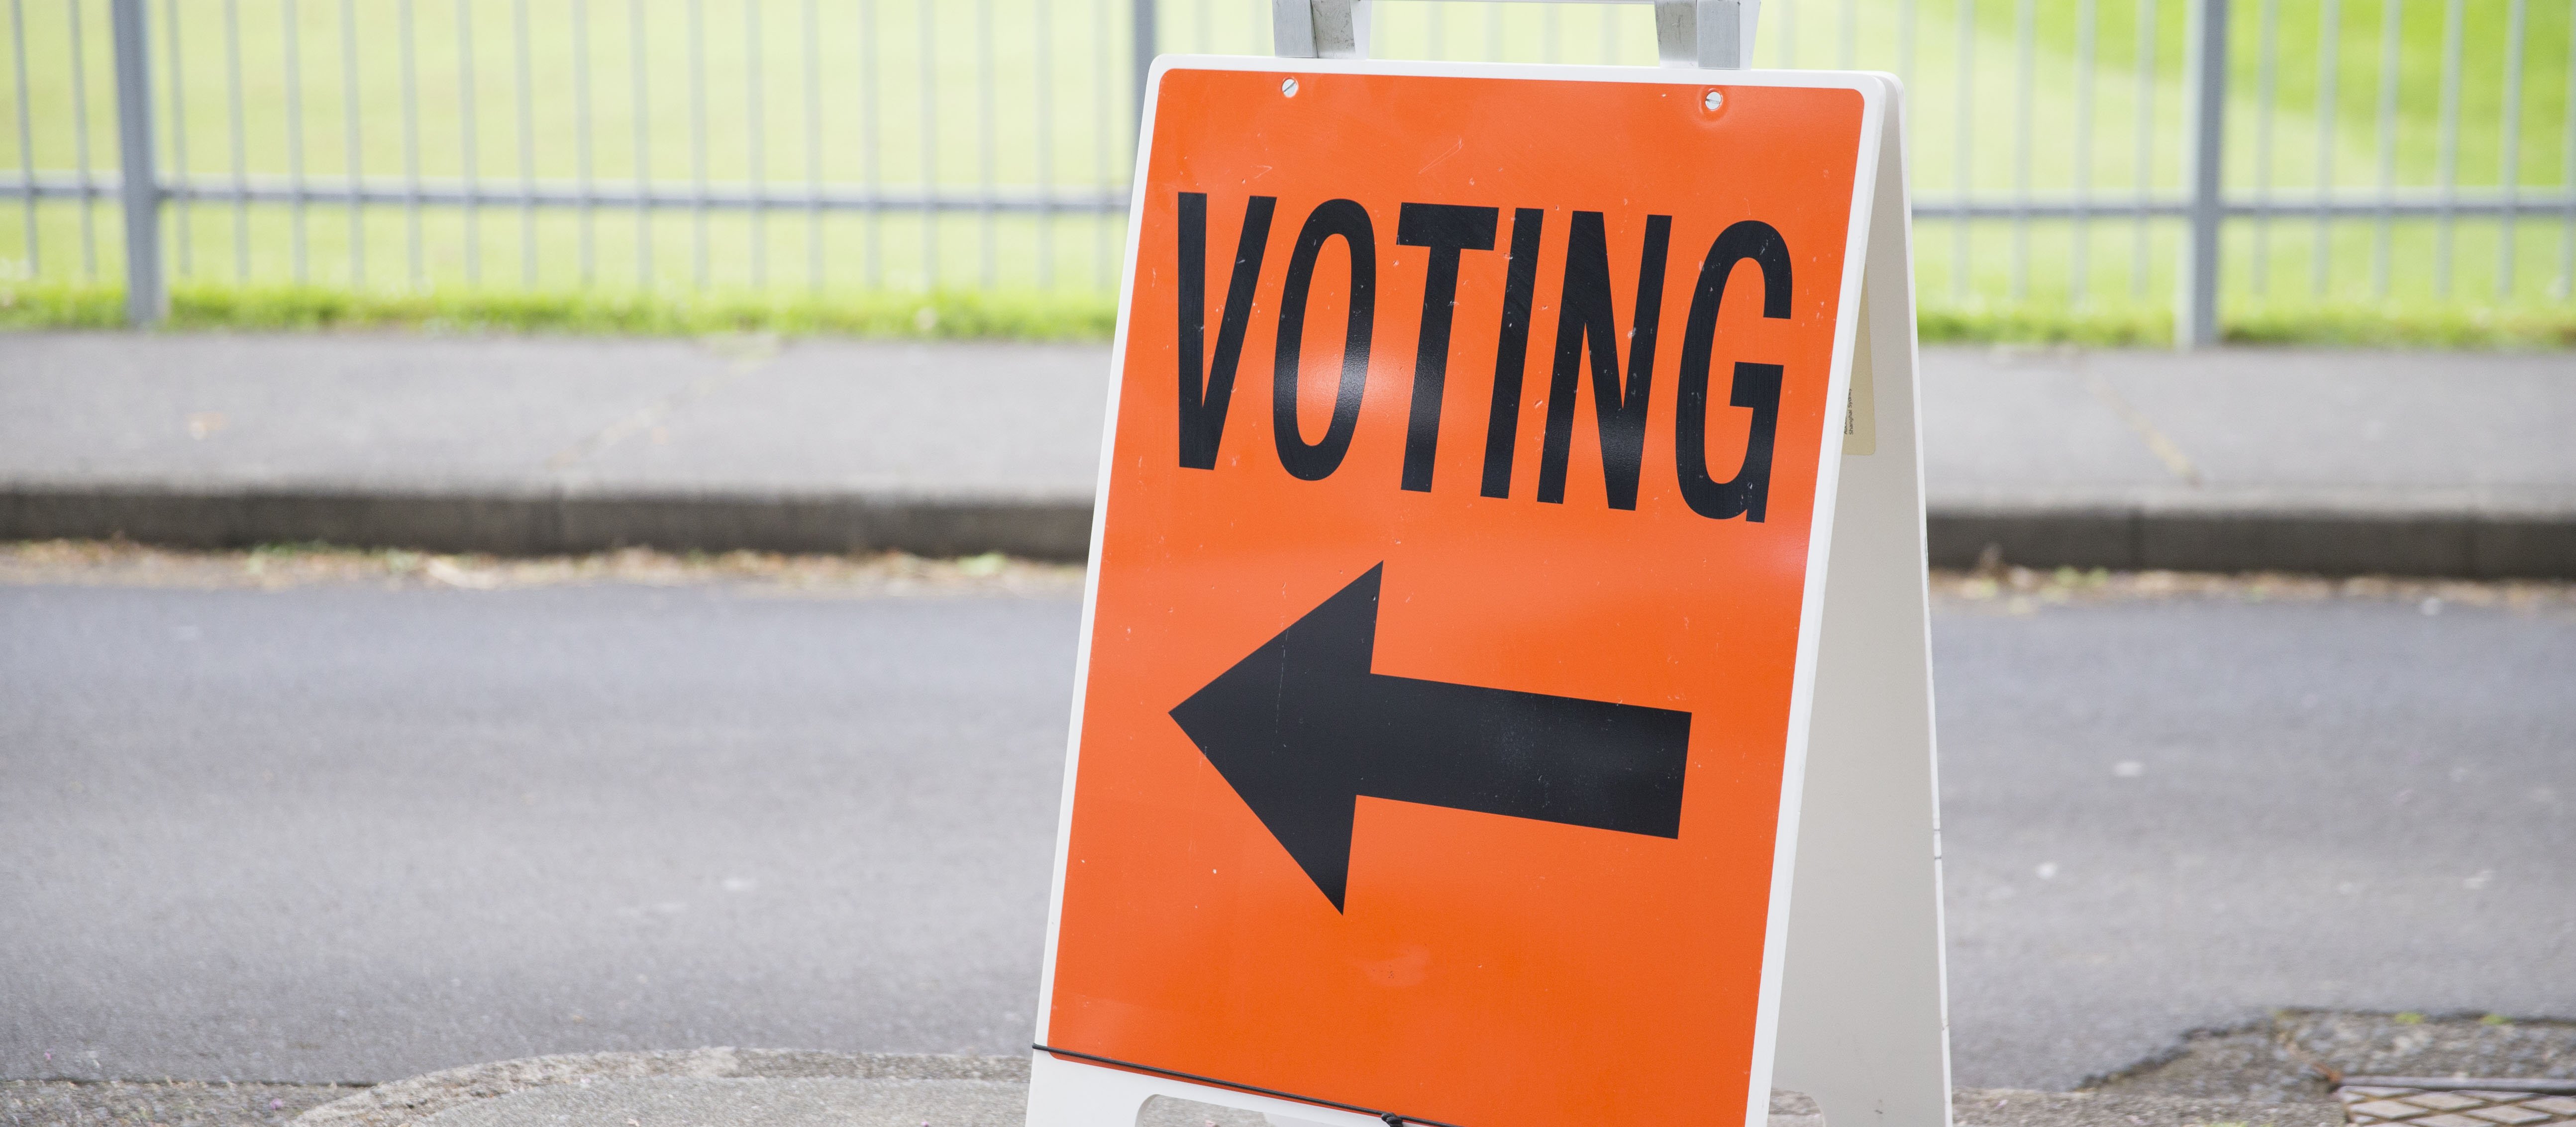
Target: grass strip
945,316
1030,316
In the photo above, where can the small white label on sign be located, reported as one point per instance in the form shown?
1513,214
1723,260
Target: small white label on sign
1860,416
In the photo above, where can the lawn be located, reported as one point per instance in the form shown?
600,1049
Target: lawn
965,95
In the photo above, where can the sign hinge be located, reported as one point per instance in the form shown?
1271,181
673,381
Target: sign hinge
1320,29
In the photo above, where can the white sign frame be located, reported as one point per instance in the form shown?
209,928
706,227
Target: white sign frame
1854,1000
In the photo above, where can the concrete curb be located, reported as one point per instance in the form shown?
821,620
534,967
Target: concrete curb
536,523
2466,542
2355,540
777,1088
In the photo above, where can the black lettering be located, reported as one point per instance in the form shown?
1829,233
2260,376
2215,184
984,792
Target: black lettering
1446,229
1349,221
1511,351
1585,314
1207,389
1757,386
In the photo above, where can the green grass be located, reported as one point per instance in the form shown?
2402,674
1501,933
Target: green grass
944,315
1020,315
904,104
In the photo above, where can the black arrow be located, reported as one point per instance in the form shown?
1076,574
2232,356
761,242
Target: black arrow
1301,729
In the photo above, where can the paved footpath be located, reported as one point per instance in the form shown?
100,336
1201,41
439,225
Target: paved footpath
2422,463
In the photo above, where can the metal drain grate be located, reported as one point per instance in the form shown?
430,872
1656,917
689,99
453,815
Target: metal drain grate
2409,1101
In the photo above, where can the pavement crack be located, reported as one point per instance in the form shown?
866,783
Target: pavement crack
2158,443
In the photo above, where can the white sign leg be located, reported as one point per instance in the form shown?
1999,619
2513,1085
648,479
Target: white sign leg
1863,1010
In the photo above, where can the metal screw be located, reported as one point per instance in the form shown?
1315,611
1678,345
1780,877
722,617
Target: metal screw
1288,87
1715,101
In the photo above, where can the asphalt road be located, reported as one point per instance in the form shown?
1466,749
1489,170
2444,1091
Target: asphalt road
339,833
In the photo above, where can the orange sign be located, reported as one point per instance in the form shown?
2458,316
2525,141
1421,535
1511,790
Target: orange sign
1454,556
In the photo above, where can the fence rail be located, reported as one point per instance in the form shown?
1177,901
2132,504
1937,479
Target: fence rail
2411,203
2073,154
733,196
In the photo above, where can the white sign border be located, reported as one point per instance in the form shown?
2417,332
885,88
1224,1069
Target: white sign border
1877,92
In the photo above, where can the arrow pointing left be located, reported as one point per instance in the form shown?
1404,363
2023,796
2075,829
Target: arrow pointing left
1302,729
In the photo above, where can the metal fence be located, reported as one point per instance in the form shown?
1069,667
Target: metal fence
2069,155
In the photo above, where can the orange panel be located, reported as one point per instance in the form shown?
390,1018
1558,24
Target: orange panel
1529,931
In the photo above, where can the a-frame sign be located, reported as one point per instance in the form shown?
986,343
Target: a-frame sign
1505,694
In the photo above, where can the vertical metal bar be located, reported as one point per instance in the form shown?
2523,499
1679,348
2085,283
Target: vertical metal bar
642,97
2388,26
1100,137
140,188
404,19
2329,69
2567,175
1787,18
1493,33
527,145
465,140
984,143
582,144
1437,31
1966,111
1551,34
813,146
181,213
2266,96
2079,255
241,174
2196,310
26,139
1205,41
1905,60
1905,57
1143,45
2448,169
1851,35
1609,35
2025,66
929,16
698,143
2509,162
351,137
2145,142
294,134
1043,33
80,144
754,156
872,140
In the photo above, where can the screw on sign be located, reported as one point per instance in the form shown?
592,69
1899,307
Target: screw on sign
1508,569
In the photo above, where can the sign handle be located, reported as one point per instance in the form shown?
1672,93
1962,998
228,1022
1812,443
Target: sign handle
1708,34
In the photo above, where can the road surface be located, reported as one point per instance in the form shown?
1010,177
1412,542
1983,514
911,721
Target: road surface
338,833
